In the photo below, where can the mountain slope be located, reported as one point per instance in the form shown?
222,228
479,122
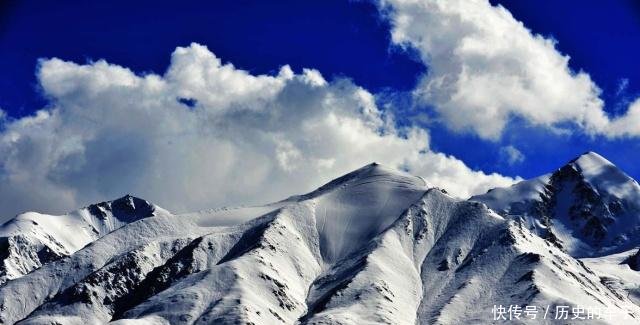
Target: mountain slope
589,206
32,239
375,246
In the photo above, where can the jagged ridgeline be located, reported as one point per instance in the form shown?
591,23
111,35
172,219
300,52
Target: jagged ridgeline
376,246
589,207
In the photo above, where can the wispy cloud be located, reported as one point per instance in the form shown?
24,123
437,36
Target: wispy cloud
511,155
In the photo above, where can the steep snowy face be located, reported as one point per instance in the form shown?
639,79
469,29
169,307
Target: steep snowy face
360,205
589,206
32,239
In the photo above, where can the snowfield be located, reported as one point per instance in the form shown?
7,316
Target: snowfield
375,246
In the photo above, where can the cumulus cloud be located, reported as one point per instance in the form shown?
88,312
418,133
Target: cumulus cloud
202,135
485,67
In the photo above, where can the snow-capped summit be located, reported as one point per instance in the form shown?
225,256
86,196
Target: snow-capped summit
589,206
32,239
375,246
606,177
360,205
591,158
373,173
349,210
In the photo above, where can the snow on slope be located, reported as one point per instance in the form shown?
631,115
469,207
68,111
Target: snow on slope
31,238
616,271
375,246
349,210
361,205
589,206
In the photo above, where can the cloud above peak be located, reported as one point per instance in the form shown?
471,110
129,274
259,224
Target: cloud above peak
486,68
204,134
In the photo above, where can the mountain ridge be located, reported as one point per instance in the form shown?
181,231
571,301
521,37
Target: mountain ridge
376,246
589,206
31,239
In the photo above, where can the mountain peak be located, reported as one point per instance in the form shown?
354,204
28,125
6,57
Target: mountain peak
590,153
125,209
589,206
590,162
603,176
370,173
32,239
378,168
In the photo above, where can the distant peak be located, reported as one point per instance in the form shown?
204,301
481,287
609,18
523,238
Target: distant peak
125,203
379,169
590,160
602,174
370,166
589,155
374,172
374,167
127,198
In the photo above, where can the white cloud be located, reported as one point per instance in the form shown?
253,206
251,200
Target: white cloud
511,155
627,125
248,139
485,67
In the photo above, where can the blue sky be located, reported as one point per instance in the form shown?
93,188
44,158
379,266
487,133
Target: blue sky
341,39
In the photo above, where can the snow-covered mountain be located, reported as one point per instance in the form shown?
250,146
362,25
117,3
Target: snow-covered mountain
32,239
588,207
376,246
